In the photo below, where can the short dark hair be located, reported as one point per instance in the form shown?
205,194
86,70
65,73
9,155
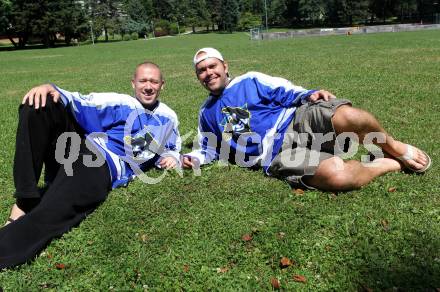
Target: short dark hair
148,64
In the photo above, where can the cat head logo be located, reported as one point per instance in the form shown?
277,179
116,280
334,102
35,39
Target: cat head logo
143,146
236,121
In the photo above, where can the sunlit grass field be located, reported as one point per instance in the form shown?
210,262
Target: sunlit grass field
187,233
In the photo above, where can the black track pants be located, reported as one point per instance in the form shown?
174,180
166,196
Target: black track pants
67,199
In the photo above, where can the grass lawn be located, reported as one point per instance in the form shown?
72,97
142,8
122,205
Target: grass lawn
187,233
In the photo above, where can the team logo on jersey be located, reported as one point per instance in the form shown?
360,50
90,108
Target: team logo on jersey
142,145
236,121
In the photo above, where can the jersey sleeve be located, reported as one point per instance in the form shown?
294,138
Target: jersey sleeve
206,150
96,112
172,140
280,90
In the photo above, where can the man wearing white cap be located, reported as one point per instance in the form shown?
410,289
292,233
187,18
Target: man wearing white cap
292,133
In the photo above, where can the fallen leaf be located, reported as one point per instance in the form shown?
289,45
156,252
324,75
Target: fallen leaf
392,189
385,225
49,256
144,238
281,235
247,237
222,270
45,285
299,192
275,283
186,268
60,266
285,262
333,196
299,278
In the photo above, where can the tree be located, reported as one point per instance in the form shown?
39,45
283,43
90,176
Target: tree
353,10
74,21
139,16
41,19
65,18
230,14
105,15
255,7
196,13
214,8
248,21
311,11
164,9
5,17
406,9
277,11
21,21
383,8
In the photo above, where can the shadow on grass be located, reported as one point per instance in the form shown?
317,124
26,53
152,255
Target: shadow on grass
417,271
30,47
58,45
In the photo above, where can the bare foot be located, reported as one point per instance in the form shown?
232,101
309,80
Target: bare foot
388,164
16,213
413,158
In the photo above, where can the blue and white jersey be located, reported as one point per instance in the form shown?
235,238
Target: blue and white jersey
251,115
129,136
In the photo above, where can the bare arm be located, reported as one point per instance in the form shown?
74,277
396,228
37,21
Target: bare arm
37,96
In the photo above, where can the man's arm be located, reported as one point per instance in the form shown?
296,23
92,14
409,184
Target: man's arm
207,147
285,93
170,158
37,96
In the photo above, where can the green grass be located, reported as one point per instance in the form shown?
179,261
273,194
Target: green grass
176,234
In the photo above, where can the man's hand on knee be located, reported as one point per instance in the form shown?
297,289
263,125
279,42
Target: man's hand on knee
37,96
320,94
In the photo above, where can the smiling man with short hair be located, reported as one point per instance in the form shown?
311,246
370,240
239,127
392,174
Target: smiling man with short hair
289,131
113,138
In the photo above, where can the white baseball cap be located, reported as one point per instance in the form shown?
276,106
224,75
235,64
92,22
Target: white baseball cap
209,53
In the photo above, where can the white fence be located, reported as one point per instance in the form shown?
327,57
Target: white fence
258,35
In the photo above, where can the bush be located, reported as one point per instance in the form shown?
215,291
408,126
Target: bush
248,21
134,36
174,29
158,32
161,28
126,37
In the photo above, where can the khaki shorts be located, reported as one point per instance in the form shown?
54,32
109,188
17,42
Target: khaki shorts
310,139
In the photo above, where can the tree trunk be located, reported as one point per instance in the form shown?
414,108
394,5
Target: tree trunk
53,39
106,33
67,38
45,40
22,42
11,39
